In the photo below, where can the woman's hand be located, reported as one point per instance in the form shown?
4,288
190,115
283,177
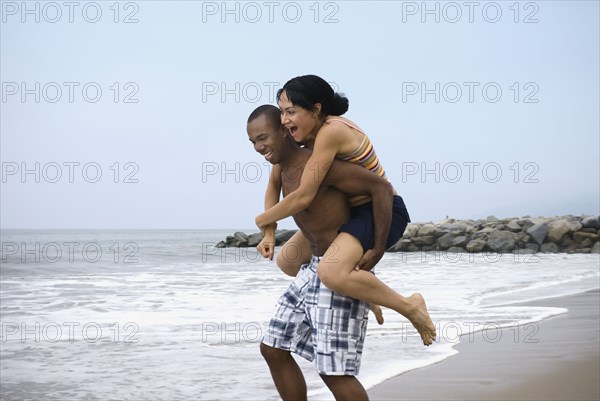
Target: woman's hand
262,224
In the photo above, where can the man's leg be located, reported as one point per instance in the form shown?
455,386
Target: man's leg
286,373
295,252
289,331
345,388
339,328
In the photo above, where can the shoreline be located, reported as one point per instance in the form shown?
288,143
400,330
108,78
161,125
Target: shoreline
557,358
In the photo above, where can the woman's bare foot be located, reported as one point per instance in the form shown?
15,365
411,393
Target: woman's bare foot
419,317
376,309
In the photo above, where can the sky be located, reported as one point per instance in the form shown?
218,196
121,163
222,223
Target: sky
132,115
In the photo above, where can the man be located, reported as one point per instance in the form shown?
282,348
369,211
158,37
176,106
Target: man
311,320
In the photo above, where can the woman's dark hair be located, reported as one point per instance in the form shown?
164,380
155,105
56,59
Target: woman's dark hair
306,90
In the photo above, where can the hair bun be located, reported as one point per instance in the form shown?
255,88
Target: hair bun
339,105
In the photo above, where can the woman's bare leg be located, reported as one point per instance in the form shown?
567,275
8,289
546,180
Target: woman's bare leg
297,251
336,271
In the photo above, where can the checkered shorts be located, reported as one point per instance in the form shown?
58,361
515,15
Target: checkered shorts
311,320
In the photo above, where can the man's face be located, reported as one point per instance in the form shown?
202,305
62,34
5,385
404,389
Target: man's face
267,140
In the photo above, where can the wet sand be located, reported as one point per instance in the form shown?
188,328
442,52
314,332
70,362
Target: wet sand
554,359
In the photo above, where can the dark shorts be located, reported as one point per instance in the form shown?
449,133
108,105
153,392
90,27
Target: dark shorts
361,223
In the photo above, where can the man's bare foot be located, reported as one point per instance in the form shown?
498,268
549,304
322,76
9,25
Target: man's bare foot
419,317
376,309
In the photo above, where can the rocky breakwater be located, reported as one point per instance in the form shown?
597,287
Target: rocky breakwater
243,240
568,234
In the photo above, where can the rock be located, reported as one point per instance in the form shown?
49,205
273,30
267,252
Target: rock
411,231
424,240
460,241
580,236
220,244
524,238
591,222
455,228
401,246
241,238
491,218
231,241
429,230
529,222
254,239
476,245
478,223
412,248
514,226
455,250
568,244
557,229
596,248
549,247
501,241
445,241
538,232
483,233
533,247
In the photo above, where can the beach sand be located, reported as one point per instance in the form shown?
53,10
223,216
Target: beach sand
561,361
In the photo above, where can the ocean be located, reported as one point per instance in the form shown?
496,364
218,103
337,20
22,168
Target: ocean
164,315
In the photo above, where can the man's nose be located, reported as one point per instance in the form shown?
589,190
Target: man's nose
259,147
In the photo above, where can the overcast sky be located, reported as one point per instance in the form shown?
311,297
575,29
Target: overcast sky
133,114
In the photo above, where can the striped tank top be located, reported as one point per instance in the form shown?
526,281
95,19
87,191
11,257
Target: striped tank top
364,156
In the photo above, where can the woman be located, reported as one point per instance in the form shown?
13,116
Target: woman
310,111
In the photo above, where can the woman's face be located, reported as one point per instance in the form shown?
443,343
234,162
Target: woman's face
302,124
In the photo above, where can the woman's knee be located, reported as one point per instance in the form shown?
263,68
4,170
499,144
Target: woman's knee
331,275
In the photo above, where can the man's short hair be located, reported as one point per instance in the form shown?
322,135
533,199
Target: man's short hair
271,112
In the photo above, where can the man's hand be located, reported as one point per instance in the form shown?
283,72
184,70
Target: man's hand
370,259
266,247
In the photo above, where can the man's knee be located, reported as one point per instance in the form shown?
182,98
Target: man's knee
288,266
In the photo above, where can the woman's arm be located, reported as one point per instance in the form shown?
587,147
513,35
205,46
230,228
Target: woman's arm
266,247
273,187
317,166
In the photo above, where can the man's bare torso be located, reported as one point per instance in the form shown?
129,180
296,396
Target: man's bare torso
329,210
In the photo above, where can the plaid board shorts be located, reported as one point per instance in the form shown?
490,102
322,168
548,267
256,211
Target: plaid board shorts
312,321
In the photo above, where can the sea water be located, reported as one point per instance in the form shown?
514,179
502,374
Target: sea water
164,315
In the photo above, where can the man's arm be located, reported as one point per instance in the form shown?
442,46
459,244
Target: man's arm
356,180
